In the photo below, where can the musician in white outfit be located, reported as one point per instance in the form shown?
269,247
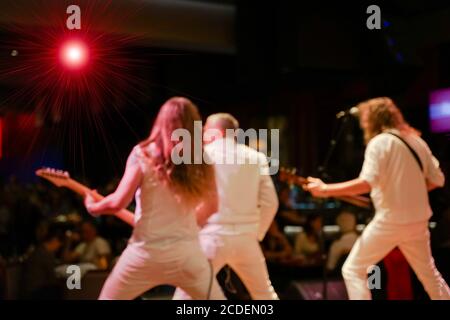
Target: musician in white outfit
398,171
164,247
247,205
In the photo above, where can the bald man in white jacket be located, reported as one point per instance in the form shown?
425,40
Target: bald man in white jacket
247,206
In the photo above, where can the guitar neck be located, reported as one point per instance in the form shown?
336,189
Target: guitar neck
82,190
79,188
358,201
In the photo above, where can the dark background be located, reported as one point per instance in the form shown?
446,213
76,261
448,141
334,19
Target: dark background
290,65
283,62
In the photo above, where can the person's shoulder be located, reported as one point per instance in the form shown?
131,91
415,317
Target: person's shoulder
381,141
254,154
101,244
142,155
420,141
138,151
301,236
351,235
135,154
100,240
80,247
381,138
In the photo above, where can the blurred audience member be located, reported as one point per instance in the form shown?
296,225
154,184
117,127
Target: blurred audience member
308,243
276,246
341,247
93,248
286,214
39,278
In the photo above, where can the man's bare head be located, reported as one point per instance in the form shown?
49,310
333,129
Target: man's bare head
222,121
218,124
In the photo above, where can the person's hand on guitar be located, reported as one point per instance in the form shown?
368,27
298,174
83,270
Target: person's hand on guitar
316,187
114,204
90,199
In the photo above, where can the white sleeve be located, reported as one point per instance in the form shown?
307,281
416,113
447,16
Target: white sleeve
137,158
373,161
432,170
267,201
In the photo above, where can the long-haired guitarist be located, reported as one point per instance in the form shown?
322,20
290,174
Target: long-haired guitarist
164,247
398,170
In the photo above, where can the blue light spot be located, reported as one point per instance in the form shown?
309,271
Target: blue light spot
391,41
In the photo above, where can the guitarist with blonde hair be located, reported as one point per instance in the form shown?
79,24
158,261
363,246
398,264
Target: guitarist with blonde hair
398,171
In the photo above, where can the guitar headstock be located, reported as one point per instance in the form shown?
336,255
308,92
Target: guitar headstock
57,177
287,174
290,176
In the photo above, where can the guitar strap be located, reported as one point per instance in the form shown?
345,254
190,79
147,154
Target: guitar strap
413,152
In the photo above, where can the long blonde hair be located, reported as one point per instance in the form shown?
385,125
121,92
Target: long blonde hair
381,114
189,182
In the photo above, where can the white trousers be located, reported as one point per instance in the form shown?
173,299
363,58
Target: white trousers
244,255
182,265
376,241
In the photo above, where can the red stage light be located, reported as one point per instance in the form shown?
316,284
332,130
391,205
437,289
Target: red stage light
74,54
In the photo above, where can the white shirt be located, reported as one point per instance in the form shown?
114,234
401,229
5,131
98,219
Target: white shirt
399,191
90,252
247,198
160,219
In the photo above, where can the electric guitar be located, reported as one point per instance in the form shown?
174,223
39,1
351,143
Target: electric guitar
62,179
290,177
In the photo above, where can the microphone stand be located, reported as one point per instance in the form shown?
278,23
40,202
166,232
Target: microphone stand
332,146
324,175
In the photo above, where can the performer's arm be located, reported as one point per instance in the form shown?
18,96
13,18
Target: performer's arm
123,195
431,186
374,161
434,175
267,201
349,188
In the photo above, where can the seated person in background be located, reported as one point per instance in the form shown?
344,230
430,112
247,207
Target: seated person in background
39,279
93,248
341,247
276,246
286,214
307,243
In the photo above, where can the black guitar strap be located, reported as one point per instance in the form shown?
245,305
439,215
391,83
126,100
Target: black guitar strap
413,152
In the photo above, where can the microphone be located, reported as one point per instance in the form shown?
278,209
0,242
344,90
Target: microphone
353,111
